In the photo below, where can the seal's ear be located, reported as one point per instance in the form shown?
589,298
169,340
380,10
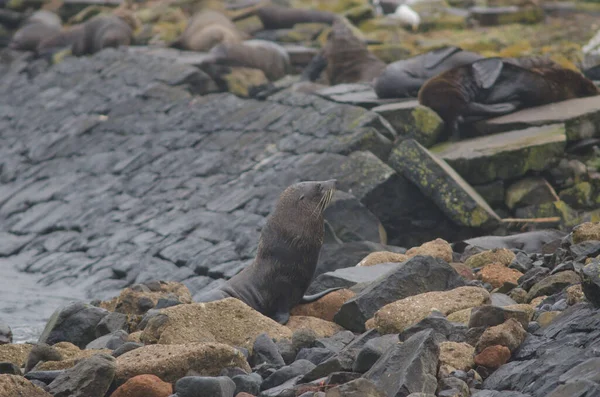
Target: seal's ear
487,71
435,57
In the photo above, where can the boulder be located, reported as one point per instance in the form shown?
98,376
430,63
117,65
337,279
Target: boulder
456,356
322,328
504,156
201,386
509,334
492,356
553,284
529,191
586,231
356,388
417,275
442,184
91,377
172,362
144,385
502,256
497,274
398,315
239,324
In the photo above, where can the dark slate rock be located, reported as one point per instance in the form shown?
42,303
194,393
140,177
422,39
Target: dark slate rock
577,388
489,316
315,355
494,393
287,389
352,221
585,249
338,378
522,262
265,351
114,321
230,372
201,386
111,341
501,300
45,377
303,338
590,282
527,280
453,384
357,388
336,342
91,377
443,329
287,351
75,323
372,351
5,334
126,347
350,276
164,303
299,367
343,360
247,383
408,367
10,369
417,275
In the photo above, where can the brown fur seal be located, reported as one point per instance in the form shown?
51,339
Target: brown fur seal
99,32
495,86
347,57
287,254
205,30
40,25
402,79
277,17
267,56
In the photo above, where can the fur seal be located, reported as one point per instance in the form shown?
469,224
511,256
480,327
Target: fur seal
495,86
403,79
287,254
348,59
205,30
267,56
278,17
40,25
99,32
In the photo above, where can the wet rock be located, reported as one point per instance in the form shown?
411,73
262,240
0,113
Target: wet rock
324,308
247,384
498,274
14,385
553,284
75,323
529,191
144,385
510,334
438,181
356,388
402,281
264,350
586,231
110,341
504,156
407,367
412,120
90,378
298,367
500,255
349,277
455,356
200,386
492,356
195,323
5,334
578,116
322,328
372,351
172,362
397,316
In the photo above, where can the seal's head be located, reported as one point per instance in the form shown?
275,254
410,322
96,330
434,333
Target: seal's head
308,198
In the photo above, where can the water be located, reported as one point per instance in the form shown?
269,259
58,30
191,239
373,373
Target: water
25,305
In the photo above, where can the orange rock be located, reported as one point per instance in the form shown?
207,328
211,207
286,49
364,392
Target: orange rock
244,394
493,356
497,274
463,270
144,386
326,307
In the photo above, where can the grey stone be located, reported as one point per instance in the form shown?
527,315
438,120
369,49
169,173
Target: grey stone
356,388
114,321
110,341
590,282
372,351
265,351
5,334
126,347
418,275
247,383
200,386
282,375
89,378
41,352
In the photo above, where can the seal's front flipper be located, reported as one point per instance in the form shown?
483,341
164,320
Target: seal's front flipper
211,296
496,109
318,295
281,317
436,57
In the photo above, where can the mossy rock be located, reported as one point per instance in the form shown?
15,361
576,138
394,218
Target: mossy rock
359,13
503,16
442,21
302,32
60,56
389,53
167,32
568,216
519,49
337,6
250,25
412,120
244,82
579,196
88,13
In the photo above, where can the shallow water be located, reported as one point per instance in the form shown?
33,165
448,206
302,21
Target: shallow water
25,305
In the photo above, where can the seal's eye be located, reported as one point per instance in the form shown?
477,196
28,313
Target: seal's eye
301,197
318,186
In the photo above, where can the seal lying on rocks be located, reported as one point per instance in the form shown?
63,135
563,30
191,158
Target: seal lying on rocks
404,78
99,32
267,56
277,17
496,86
287,254
206,29
39,26
345,58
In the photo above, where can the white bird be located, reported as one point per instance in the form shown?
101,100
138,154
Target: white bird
407,15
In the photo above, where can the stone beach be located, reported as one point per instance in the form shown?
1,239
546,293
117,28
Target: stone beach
134,179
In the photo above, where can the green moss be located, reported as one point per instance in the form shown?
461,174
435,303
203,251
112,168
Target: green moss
578,196
526,15
60,56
